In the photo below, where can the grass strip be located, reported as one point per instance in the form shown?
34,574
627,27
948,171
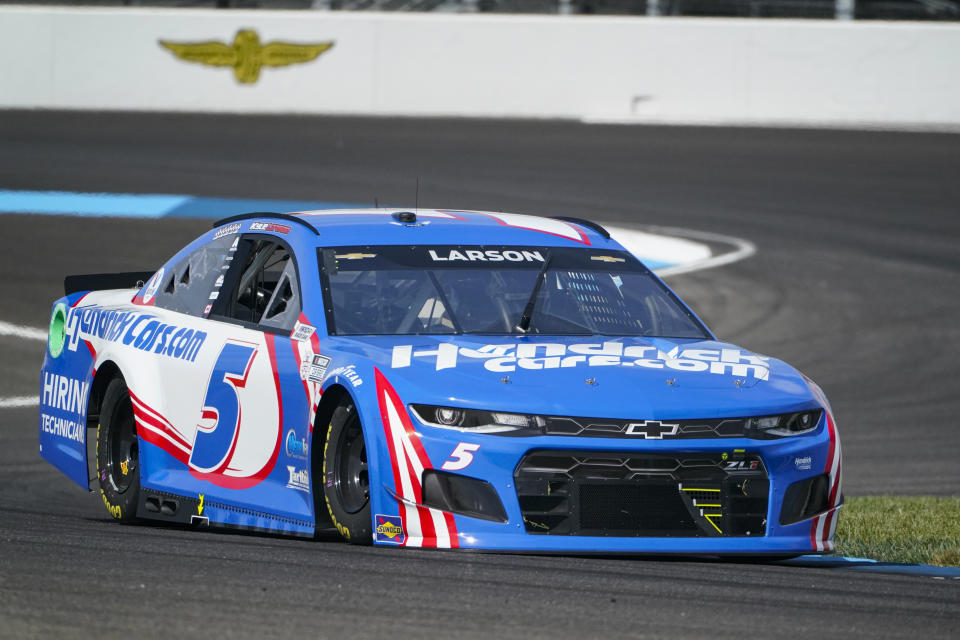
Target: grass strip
922,529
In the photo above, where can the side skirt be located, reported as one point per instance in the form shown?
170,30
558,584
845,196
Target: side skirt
196,511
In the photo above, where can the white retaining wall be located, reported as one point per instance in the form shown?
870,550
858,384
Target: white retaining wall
658,70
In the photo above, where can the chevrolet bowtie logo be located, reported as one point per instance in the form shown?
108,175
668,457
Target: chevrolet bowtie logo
246,55
652,429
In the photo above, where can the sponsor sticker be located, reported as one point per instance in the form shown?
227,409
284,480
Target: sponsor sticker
295,447
227,230
804,463
315,368
269,226
390,529
302,332
152,286
350,373
299,479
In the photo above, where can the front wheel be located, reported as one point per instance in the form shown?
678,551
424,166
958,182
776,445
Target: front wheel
118,459
346,481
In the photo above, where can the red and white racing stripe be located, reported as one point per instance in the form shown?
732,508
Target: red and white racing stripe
157,430
424,527
824,526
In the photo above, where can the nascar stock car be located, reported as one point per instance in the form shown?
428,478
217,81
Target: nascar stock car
536,388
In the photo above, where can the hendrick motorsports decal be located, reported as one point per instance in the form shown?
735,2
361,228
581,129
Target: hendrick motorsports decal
551,355
246,55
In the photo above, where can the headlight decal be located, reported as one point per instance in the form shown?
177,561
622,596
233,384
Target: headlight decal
478,421
784,425
502,423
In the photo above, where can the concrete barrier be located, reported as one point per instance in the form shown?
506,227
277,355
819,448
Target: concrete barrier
655,70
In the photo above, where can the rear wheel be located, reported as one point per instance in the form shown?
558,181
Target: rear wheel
118,453
346,480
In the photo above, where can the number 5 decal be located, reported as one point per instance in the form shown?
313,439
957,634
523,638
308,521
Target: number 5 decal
220,415
461,457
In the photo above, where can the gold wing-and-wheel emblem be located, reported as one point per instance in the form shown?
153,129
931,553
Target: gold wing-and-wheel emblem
246,55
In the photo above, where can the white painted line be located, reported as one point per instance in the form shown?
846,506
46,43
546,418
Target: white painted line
19,401
659,251
19,331
742,249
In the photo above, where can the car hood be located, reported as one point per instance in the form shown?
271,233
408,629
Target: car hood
589,376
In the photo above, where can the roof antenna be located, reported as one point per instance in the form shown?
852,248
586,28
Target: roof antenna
416,202
376,203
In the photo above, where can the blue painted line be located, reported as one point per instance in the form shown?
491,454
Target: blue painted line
873,566
148,205
166,206
89,204
223,207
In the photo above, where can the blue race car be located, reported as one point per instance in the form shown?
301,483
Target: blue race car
447,379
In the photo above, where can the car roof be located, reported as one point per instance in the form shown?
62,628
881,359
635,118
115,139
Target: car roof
433,226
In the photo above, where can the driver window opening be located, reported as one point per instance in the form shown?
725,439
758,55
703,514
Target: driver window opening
266,292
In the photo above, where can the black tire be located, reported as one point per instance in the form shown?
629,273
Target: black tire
118,459
346,486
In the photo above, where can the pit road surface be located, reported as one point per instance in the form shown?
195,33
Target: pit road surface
855,283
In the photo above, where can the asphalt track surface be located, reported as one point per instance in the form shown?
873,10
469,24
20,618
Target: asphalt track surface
855,282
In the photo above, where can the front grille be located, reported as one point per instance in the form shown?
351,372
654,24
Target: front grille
649,429
631,495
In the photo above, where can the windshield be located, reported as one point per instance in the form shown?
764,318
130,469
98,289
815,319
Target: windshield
509,290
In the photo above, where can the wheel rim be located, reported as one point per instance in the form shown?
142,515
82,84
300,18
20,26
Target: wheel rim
350,478
123,448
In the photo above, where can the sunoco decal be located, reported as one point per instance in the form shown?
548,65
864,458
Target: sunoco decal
389,529
551,355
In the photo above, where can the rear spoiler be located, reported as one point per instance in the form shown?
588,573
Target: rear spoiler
98,281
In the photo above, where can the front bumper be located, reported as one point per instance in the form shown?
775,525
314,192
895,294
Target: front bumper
748,520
